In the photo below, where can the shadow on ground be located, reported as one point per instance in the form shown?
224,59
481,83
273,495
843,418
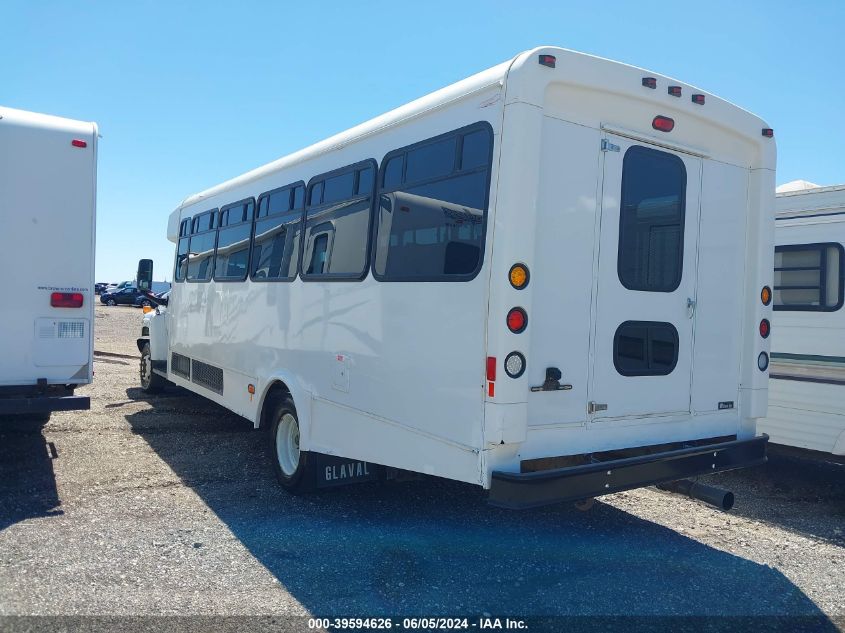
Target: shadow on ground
27,483
435,548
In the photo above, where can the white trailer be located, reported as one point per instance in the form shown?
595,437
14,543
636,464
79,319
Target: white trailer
48,192
546,279
807,387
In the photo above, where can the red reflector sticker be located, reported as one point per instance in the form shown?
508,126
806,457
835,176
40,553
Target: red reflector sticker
77,142
663,123
491,368
66,300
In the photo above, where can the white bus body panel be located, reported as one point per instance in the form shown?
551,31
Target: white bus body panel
807,388
47,218
394,372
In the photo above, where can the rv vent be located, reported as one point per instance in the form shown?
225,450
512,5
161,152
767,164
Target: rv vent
181,365
207,375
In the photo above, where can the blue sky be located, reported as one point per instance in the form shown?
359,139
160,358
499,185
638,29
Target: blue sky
188,94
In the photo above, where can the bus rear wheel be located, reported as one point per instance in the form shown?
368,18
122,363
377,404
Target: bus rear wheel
150,381
291,464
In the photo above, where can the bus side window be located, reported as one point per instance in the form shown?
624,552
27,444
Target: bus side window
200,255
337,223
275,243
182,250
430,221
232,253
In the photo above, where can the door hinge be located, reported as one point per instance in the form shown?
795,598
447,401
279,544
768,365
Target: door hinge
607,146
593,407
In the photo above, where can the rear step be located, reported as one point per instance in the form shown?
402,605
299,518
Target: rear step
517,491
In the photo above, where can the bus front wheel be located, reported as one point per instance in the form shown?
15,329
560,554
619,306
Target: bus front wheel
150,381
291,464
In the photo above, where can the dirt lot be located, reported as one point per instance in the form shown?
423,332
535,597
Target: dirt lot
167,505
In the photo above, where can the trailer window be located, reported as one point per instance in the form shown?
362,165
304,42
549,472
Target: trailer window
431,220
275,247
200,255
809,277
651,220
232,254
337,203
645,348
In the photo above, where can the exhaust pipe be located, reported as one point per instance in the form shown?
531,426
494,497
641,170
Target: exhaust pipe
718,497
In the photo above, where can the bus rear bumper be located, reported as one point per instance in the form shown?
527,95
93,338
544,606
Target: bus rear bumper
519,491
25,405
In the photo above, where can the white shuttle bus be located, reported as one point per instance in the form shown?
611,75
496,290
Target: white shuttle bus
48,195
807,386
546,279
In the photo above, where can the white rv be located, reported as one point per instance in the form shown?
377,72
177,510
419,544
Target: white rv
546,279
807,386
48,193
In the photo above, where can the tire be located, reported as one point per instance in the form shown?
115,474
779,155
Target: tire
146,304
150,381
111,302
293,467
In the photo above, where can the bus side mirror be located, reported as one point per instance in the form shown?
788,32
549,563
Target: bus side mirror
145,274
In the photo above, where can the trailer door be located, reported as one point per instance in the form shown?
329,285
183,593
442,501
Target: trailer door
645,291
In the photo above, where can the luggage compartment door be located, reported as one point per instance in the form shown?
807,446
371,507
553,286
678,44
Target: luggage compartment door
645,291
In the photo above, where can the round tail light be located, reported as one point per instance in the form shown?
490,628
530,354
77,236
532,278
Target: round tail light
514,364
763,361
517,320
766,295
765,328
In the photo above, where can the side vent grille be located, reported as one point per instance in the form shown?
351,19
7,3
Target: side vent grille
181,365
207,375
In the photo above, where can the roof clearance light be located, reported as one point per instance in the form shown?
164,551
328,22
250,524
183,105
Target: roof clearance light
78,142
768,132
699,99
650,82
765,328
663,123
514,364
548,60
675,91
66,299
763,361
517,320
518,276
766,295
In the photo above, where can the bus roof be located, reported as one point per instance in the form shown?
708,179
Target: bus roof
22,118
580,68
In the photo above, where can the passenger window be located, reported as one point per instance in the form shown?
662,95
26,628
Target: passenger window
365,182
181,266
342,254
232,254
433,230
200,255
432,160
475,150
809,277
651,220
645,348
316,196
275,250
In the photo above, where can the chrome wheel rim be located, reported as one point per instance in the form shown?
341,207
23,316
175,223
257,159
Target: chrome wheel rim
287,444
146,370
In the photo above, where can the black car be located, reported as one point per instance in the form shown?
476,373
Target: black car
99,288
116,297
142,300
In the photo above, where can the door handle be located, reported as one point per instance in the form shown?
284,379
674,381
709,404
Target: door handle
690,307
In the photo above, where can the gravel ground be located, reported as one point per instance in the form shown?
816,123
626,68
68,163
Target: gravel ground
168,505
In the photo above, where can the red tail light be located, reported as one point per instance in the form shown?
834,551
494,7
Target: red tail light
78,142
66,300
517,320
765,328
663,123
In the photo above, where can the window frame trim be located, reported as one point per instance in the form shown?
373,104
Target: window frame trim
353,167
823,272
639,148
379,190
290,187
251,224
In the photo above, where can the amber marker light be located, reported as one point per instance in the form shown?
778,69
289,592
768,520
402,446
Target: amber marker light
518,276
